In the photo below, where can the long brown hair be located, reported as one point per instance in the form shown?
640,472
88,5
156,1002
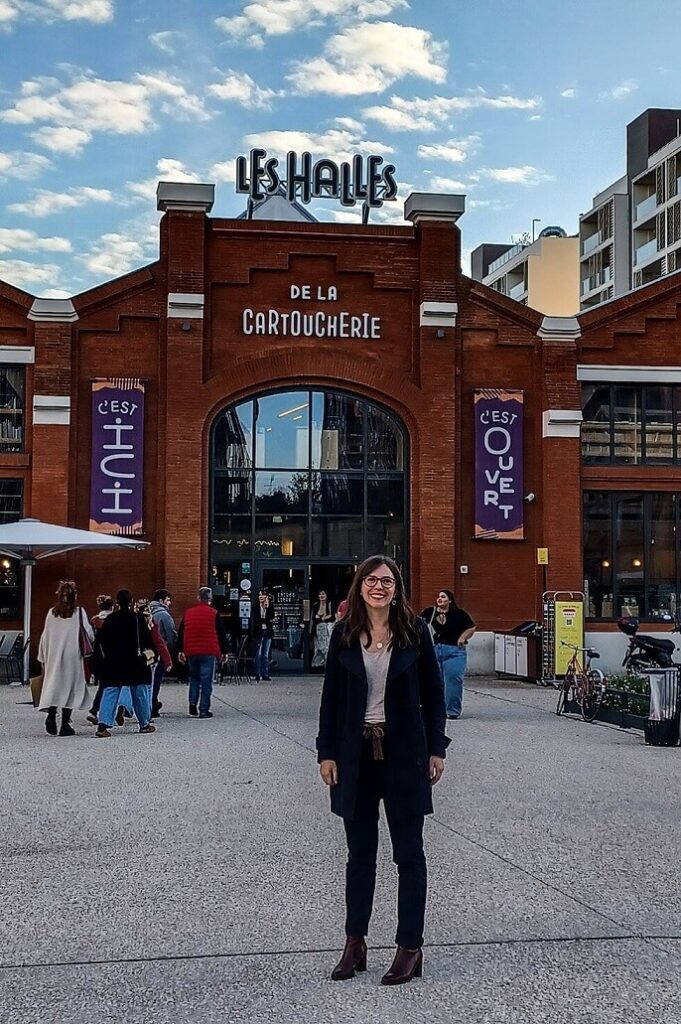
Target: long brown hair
67,595
402,617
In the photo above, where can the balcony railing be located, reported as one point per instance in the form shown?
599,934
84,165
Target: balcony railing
599,280
646,207
645,252
591,243
505,257
518,291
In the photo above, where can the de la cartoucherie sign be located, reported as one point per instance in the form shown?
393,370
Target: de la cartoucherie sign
365,180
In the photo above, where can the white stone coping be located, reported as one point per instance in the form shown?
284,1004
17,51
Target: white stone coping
187,196
561,422
51,311
49,410
435,313
13,354
630,374
186,305
560,328
434,206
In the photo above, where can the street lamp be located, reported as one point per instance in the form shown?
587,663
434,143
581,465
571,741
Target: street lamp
535,220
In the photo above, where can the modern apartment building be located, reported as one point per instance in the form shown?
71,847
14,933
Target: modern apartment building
632,233
543,275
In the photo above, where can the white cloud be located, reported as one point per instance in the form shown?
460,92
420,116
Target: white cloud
20,240
447,184
22,165
97,12
349,124
167,170
113,255
337,145
165,41
44,203
55,293
417,114
569,94
621,91
369,58
241,88
526,175
281,17
92,105
455,151
70,141
21,273
225,171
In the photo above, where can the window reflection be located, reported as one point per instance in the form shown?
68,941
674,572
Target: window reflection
659,439
282,430
337,432
281,492
233,438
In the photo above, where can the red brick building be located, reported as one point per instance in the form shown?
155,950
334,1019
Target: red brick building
309,399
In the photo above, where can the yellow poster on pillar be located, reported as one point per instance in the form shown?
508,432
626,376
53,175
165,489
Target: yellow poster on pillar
570,629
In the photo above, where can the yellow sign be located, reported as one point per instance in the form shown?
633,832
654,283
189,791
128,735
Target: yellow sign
570,628
542,556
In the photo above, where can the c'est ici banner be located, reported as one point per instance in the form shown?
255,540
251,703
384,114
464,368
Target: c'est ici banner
117,466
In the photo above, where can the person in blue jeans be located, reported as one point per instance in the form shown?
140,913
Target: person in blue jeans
263,633
202,643
451,628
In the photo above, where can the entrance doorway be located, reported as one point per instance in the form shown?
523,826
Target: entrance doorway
295,590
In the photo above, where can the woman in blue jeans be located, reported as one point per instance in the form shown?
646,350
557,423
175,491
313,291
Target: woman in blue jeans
452,628
263,632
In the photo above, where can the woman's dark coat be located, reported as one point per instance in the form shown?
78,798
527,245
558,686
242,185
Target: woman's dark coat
414,722
117,662
263,627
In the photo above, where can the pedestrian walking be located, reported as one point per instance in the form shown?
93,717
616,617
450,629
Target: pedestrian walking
320,629
164,660
263,634
160,609
202,643
126,654
382,736
105,605
61,653
451,628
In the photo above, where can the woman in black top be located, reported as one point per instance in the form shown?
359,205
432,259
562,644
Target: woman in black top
125,653
263,633
381,736
320,629
451,628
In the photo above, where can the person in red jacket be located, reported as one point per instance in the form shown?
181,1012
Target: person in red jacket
202,642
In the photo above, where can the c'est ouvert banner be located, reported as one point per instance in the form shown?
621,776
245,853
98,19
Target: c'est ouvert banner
498,464
117,466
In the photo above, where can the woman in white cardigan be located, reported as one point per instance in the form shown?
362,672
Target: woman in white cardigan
64,684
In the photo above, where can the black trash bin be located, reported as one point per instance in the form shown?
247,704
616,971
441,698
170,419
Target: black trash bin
661,728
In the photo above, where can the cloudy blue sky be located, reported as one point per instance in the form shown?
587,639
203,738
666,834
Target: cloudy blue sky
522,104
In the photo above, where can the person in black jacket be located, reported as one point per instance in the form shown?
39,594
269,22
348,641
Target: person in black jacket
382,736
121,643
263,633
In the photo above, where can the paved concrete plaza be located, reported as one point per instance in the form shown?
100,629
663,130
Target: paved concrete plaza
196,875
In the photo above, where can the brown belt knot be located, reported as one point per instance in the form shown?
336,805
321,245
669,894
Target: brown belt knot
375,733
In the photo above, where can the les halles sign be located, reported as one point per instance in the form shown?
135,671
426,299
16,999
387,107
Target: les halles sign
363,179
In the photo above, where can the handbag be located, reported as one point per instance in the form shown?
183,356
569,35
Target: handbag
146,656
85,646
36,689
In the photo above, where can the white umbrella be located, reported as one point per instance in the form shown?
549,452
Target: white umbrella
31,540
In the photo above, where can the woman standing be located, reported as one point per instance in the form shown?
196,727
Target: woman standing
320,629
105,606
451,629
126,654
263,633
381,736
60,654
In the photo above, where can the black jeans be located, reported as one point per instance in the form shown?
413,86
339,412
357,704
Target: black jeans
94,710
406,834
159,672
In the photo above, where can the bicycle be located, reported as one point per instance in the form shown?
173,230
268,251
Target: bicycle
582,684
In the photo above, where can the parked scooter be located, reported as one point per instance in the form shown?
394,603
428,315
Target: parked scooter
646,651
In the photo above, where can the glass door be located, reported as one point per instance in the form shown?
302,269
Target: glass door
287,587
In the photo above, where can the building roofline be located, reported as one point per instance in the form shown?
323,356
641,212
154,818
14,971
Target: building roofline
490,297
631,300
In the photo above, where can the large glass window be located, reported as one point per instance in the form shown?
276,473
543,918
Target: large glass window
12,381
307,474
631,553
11,509
631,424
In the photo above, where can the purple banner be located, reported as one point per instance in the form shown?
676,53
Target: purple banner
117,468
498,465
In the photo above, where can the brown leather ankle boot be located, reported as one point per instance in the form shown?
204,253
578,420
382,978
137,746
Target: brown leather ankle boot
408,964
354,958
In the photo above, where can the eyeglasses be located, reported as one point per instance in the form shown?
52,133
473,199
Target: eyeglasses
387,582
